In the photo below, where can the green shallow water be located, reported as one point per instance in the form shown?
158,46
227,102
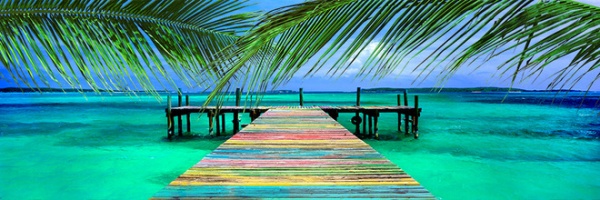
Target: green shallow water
67,146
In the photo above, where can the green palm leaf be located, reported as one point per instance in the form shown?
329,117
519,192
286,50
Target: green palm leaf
118,44
560,28
440,36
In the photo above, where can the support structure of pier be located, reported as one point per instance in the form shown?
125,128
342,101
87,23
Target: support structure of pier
294,153
369,119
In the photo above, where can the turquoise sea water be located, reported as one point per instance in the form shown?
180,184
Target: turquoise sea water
70,146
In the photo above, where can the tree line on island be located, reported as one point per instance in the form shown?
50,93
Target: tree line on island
364,90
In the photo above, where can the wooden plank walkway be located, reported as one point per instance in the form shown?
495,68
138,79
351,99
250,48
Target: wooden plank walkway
294,153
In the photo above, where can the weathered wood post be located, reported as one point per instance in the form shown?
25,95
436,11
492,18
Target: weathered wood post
179,121
170,126
405,114
356,118
375,124
416,118
210,122
223,123
254,113
301,97
399,113
187,103
236,120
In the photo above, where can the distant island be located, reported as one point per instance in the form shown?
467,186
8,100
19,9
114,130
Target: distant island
427,90
19,89
28,90
364,90
471,90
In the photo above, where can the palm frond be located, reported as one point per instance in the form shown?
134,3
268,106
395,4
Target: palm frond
559,28
434,36
117,44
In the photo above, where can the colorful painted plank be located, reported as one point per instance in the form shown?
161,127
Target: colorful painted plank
294,153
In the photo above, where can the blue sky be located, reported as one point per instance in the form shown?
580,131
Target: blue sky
347,82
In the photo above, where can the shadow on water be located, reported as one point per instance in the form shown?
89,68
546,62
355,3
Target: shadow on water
162,178
199,141
187,137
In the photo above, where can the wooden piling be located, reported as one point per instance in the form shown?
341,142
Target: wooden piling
406,120
399,114
254,114
357,132
172,131
187,116
375,124
301,97
364,125
416,118
179,121
169,118
370,113
210,122
223,123
236,120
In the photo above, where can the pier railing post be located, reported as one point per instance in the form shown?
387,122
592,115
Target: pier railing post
416,118
301,97
187,103
358,96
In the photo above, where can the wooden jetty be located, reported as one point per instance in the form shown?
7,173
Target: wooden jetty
369,119
294,153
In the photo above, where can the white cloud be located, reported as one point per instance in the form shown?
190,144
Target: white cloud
364,54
